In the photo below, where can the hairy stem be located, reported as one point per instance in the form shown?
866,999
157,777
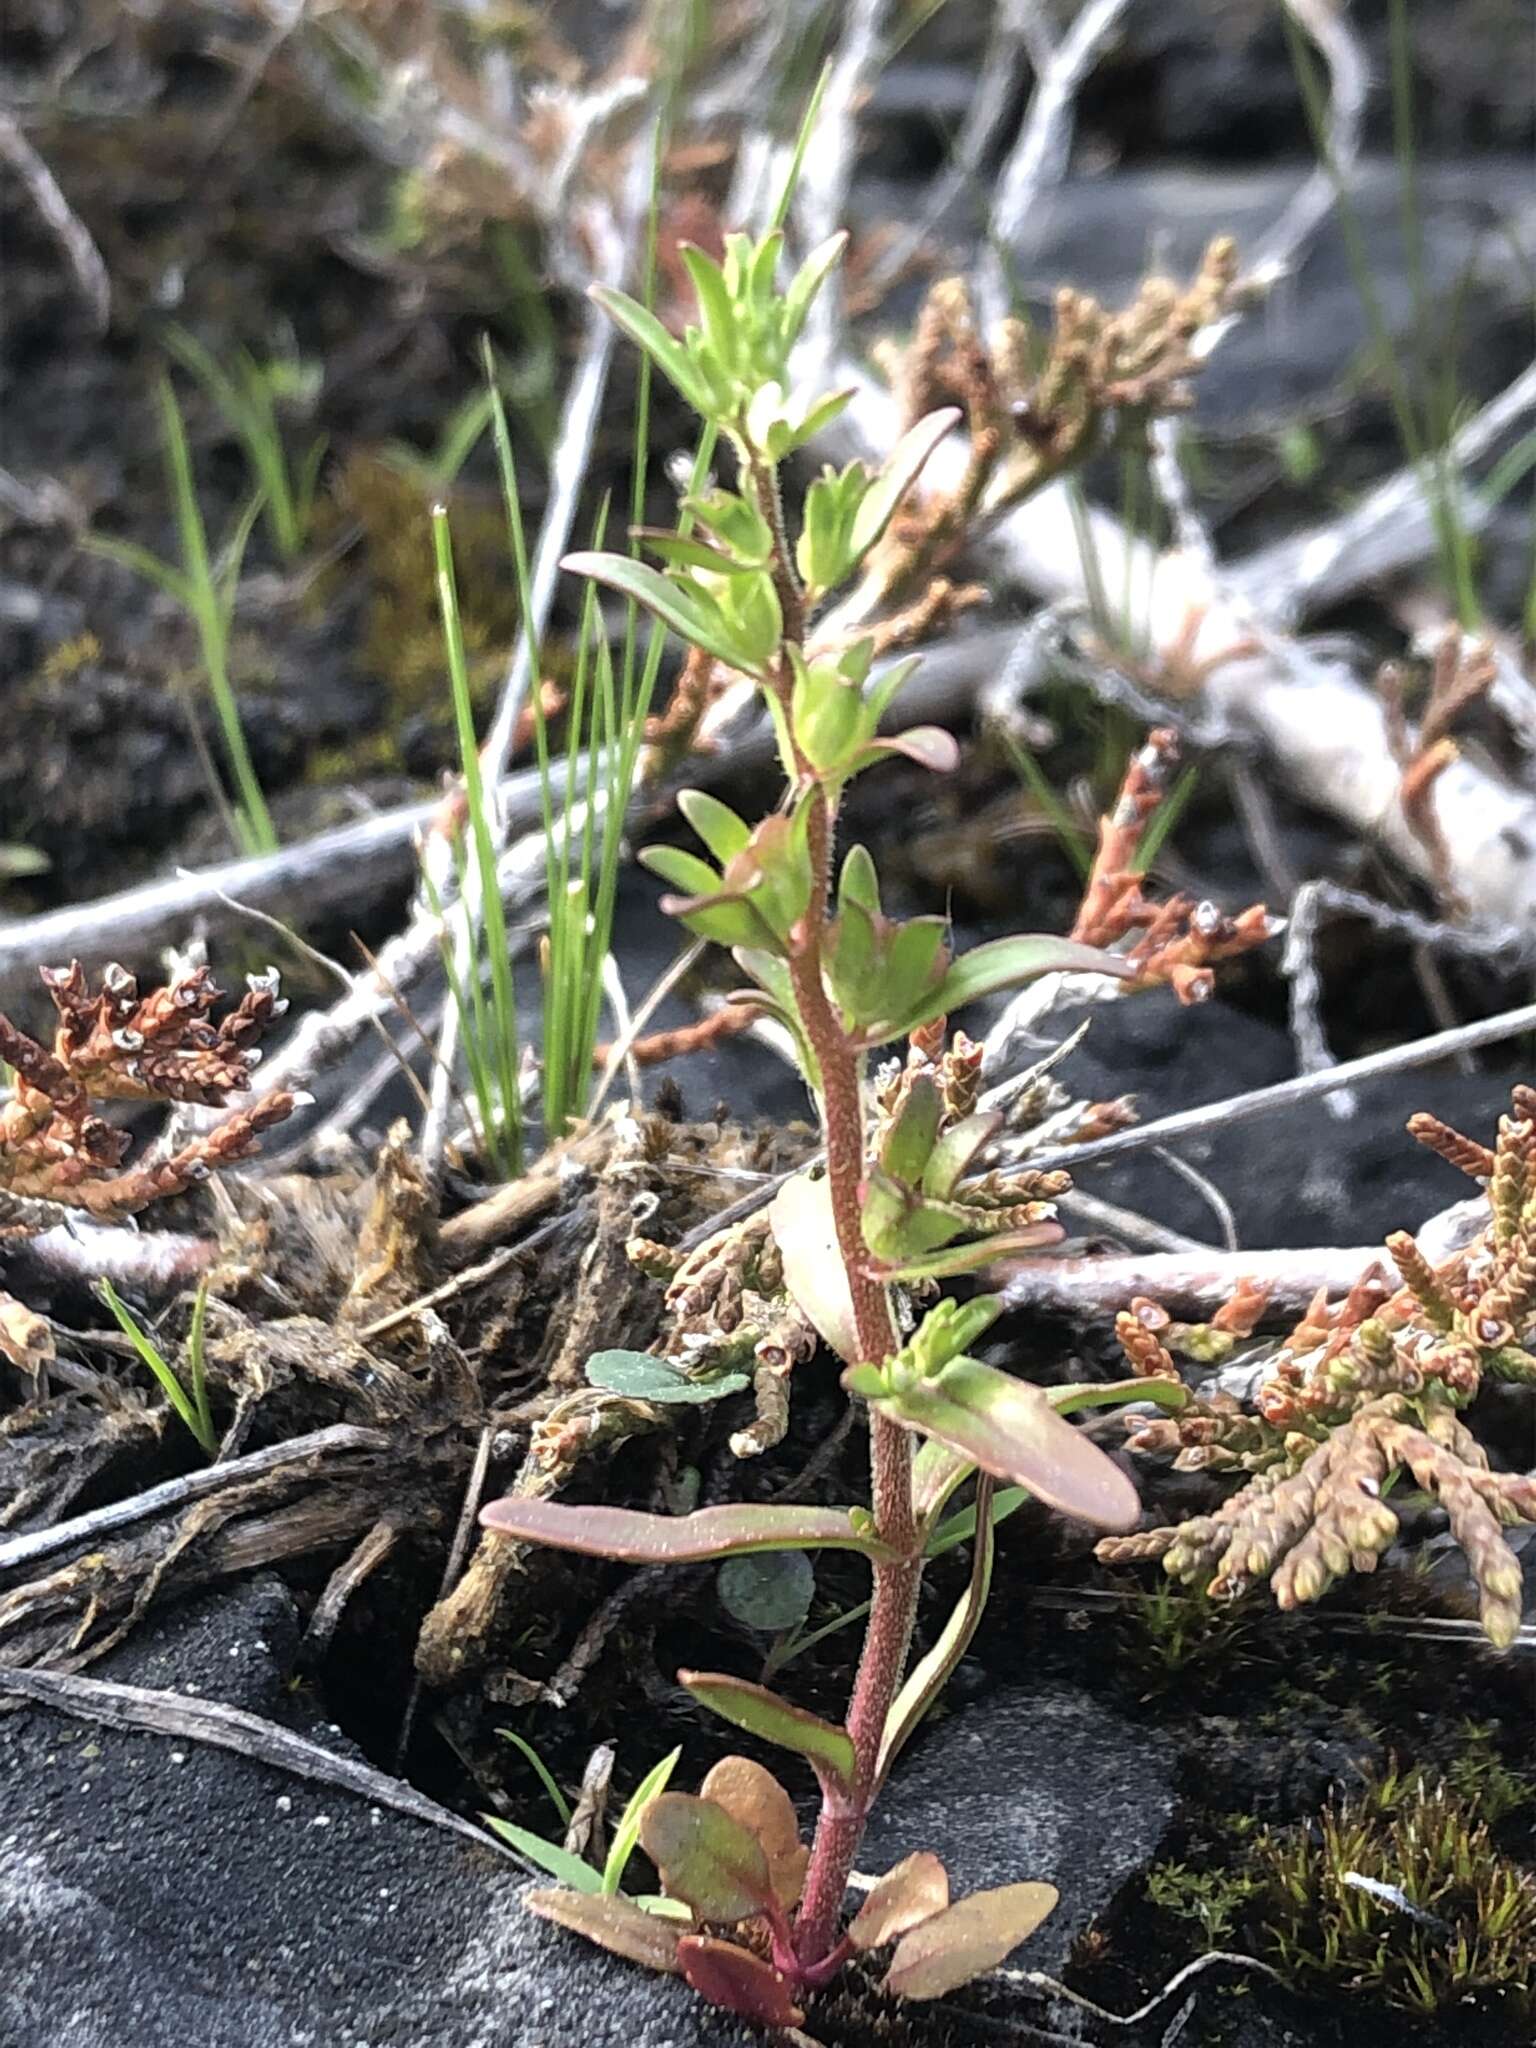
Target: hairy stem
893,1607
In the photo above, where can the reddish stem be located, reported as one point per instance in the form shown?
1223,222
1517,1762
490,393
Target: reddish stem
893,1607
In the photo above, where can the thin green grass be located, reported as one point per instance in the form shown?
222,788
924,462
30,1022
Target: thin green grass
488,1023
205,590
1424,416
248,396
190,1402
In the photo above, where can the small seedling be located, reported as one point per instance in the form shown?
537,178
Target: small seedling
190,1401
893,1211
205,589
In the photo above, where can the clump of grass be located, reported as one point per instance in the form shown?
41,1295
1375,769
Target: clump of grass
249,395
205,589
488,1021
189,1400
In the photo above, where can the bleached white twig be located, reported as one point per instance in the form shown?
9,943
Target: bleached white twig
1040,155
821,202
1389,529
63,222
1018,27
1237,1109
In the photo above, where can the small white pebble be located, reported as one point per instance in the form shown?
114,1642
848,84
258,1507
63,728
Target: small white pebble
320,1820
284,1803
178,1756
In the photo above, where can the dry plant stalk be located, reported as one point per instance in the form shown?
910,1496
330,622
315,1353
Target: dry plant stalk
1036,408
1461,676
1359,1394
59,1154
1178,941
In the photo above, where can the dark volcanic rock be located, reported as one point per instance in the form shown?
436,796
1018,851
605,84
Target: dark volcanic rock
1032,1784
164,1895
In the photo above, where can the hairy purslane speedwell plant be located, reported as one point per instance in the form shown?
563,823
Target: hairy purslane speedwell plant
889,1213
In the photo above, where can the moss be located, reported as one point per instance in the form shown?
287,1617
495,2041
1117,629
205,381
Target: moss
401,642
1400,1891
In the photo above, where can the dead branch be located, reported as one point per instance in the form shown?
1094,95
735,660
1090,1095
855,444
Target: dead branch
1191,1285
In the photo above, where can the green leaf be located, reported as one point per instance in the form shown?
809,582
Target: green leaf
859,881
769,1590
618,1925
636,1538
954,1259
627,1834
967,1940
897,475
647,332
548,1855
722,831
716,311
640,1376
909,1142
1170,1394
1006,963
954,1152
674,606
706,1857
1009,1428
960,1527
684,870
762,1713
808,281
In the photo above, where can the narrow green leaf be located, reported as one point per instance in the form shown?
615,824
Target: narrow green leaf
626,1835
548,1855
641,1376
934,1671
675,607
1007,963
722,831
647,332
762,1713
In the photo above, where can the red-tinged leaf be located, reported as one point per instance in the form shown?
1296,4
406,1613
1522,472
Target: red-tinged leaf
738,1981
1009,1428
913,1891
614,1924
762,1713
974,1936
806,1235
634,1538
757,1799
706,1857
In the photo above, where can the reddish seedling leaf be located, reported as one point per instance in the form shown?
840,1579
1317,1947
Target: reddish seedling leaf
614,1924
761,1712
739,1981
960,1944
757,1799
913,1891
675,1539
707,1857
